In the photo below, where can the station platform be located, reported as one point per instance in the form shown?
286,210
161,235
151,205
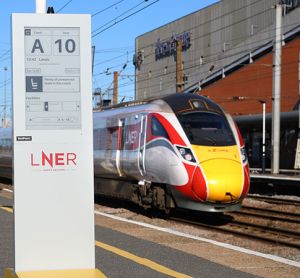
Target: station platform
284,182
281,177
126,249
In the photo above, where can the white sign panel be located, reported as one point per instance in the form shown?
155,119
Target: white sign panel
53,148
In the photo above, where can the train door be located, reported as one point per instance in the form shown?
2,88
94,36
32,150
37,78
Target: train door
120,146
142,146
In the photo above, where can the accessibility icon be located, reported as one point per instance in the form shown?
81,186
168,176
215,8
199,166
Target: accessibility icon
34,84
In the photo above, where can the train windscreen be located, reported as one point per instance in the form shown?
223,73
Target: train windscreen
207,129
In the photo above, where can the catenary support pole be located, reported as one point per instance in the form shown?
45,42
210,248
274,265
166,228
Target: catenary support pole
93,57
4,123
276,91
263,164
179,76
40,6
115,96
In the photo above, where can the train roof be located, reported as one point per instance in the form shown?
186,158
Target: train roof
179,103
187,102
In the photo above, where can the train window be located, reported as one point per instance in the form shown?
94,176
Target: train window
207,129
157,129
106,138
6,145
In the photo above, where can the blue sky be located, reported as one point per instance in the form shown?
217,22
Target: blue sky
115,46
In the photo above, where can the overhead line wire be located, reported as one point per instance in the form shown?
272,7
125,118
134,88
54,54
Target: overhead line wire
107,8
196,64
217,30
4,59
130,15
4,54
218,17
172,83
218,52
214,57
65,5
221,29
198,24
265,75
236,39
6,82
108,60
188,66
120,15
117,49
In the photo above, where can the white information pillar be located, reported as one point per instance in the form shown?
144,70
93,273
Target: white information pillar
53,145
40,6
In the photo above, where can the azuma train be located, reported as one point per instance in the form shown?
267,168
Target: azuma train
178,151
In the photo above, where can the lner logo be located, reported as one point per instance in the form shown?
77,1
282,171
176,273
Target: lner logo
53,159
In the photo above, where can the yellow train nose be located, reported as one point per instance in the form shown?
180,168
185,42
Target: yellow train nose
223,171
224,180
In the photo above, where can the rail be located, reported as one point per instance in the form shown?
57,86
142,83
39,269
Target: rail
275,200
251,222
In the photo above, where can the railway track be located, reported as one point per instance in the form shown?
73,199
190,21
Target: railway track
265,232
270,214
275,200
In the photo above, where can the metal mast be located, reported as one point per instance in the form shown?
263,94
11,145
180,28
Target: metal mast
179,78
4,123
276,91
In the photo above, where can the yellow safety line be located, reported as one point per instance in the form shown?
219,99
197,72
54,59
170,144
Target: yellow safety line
7,209
143,261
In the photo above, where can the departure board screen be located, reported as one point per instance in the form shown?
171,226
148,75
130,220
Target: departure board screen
52,76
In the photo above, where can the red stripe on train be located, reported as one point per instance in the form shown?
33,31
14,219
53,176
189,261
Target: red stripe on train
173,134
195,188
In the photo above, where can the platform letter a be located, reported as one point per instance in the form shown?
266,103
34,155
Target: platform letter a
37,45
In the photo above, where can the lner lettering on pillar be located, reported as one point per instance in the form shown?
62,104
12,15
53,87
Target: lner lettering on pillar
53,147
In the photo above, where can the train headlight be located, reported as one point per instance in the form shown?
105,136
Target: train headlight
186,154
182,151
243,154
198,104
189,157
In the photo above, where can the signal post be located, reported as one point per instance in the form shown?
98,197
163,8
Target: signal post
53,146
